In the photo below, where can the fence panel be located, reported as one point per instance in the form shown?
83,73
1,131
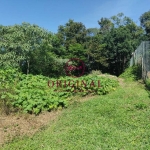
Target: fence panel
141,56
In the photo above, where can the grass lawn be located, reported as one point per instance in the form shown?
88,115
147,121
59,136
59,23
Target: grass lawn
120,120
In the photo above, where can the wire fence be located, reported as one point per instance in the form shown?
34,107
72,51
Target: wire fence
141,57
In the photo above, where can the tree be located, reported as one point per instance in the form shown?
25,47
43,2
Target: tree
92,31
120,42
105,25
145,23
19,42
97,53
71,33
72,37
110,50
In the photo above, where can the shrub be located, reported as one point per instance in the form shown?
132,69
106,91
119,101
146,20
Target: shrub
32,94
84,85
8,79
132,73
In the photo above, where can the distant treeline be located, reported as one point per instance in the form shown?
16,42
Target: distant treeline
108,48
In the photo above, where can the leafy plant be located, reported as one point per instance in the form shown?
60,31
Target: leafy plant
92,84
8,80
140,106
132,73
34,94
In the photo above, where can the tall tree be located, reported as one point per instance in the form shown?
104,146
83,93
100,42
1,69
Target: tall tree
121,41
71,33
19,41
92,31
111,49
73,37
105,25
145,23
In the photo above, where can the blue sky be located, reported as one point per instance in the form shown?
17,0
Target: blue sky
49,14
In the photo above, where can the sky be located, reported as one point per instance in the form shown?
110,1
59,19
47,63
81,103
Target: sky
49,14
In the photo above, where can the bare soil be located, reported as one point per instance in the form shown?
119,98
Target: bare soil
15,125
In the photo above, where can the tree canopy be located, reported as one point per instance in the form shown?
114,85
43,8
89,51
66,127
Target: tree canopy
108,48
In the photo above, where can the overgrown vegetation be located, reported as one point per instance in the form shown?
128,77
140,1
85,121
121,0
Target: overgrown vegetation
147,82
8,80
34,94
132,73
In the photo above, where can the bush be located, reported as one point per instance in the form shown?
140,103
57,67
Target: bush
32,94
147,83
8,80
85,85
132,73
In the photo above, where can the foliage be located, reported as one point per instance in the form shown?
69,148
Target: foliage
110,50
145,23
73,37
92,84
92,31
121,41
8,80
34,94
105,25
132,73
71,33
147,83
97,53
19,41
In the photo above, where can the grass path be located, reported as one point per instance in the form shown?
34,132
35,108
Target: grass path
120,120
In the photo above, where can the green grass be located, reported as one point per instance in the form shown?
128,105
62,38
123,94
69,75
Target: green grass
132,73
119,120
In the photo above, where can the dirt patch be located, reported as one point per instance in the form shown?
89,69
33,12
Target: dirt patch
24,124
121,81
108,75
